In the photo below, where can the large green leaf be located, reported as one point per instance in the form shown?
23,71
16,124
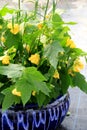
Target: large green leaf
79,81
31,80
25,87
51,52
9,99
12,70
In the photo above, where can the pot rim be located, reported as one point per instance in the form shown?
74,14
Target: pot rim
34,107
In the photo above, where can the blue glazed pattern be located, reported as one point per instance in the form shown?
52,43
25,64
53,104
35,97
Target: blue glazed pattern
47,118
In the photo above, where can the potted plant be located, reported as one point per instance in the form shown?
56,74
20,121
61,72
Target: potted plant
39,61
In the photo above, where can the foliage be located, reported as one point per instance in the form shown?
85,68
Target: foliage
38,58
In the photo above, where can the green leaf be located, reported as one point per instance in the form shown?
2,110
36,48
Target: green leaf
12,40
79,81
71,23
6,10
51,52
12,70
42,86
1,51
57,18
30,80
65,81
9,98
79,52
35,74
25,87
40,99
8,101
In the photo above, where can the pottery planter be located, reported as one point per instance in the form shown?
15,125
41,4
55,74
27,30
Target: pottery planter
47,118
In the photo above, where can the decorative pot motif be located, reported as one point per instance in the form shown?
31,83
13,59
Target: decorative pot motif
47,118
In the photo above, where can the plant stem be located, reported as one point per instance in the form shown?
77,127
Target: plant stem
19,4
19,7
46,9
54,6
36,7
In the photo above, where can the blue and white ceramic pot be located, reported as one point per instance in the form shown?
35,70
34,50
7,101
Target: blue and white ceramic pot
31,118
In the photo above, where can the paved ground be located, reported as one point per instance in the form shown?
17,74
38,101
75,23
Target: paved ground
74,10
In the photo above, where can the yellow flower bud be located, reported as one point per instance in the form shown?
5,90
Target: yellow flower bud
40,25
33,93
59,67
15,92
61,52
66,62
27,47
48,16
3,39
0,26
6,60
56,75
35,58
70,71
14,50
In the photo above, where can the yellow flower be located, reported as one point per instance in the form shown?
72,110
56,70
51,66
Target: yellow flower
15,92
56,75
40,25
14,29
33,93
76,68
0,26
6,60
70,43
78,65
35,58
3,39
